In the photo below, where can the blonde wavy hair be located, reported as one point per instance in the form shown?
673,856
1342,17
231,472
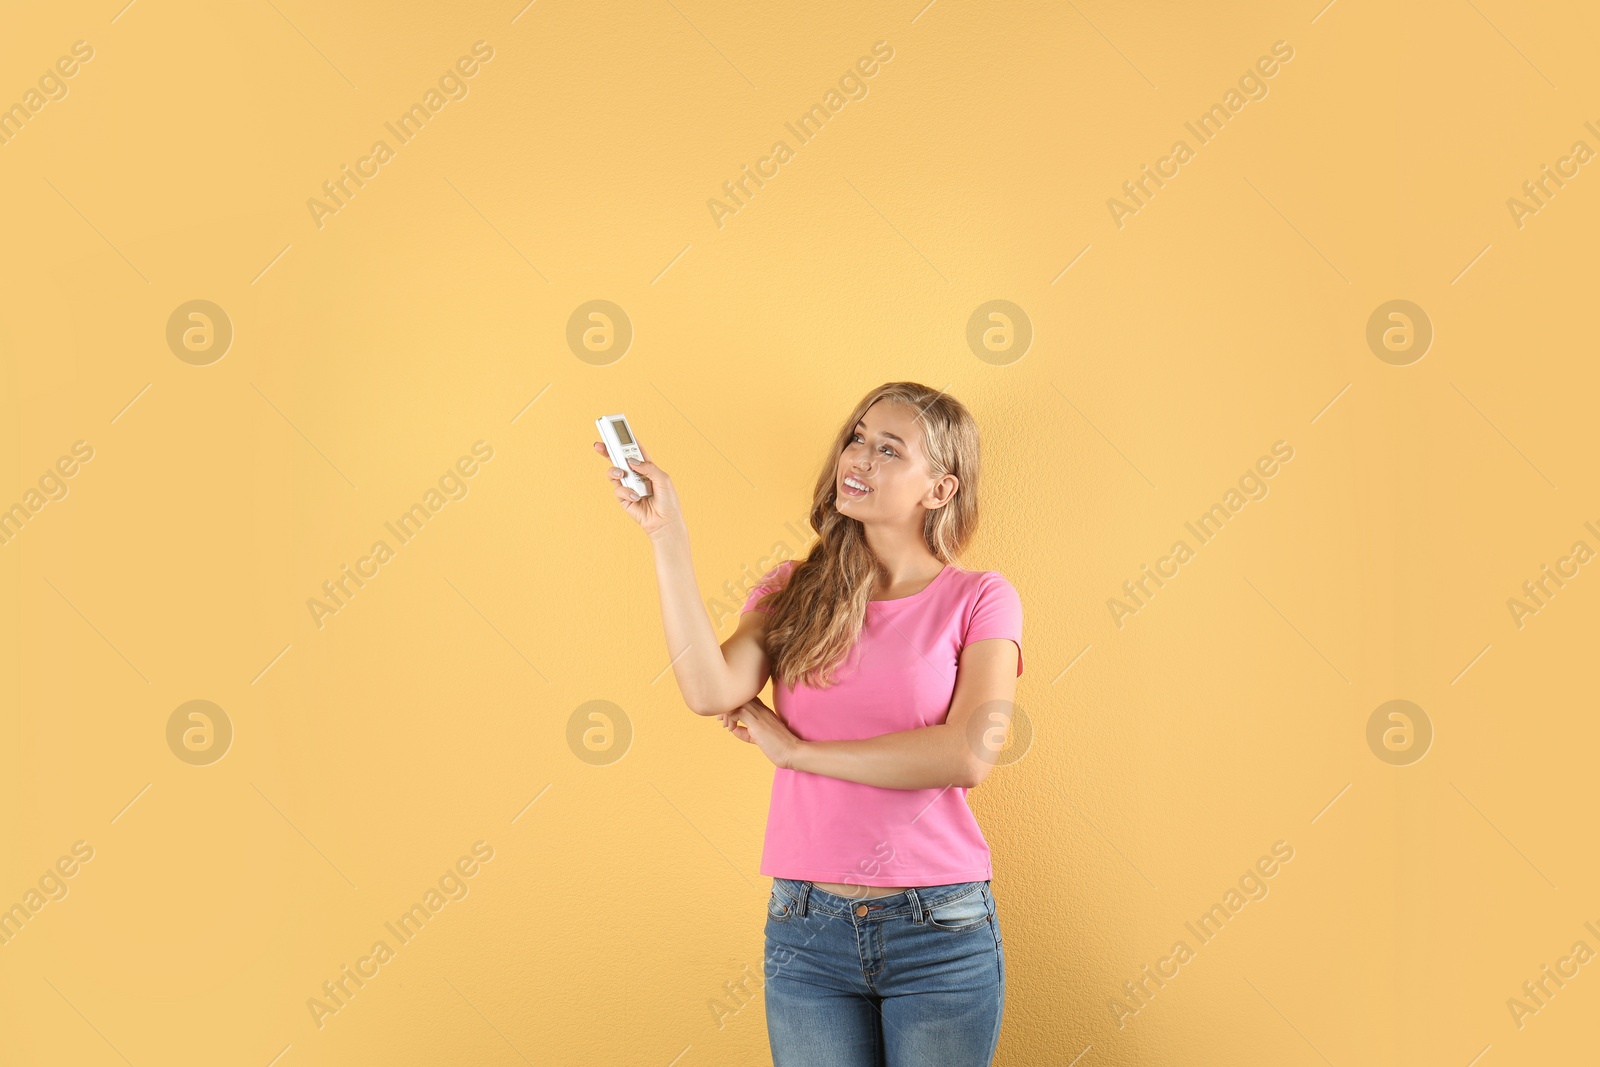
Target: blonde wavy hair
817,616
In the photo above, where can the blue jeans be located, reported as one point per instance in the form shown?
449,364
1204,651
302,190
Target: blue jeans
917,978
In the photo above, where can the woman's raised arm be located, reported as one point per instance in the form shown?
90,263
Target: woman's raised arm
713,678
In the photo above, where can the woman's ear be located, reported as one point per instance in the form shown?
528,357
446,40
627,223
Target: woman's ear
941,492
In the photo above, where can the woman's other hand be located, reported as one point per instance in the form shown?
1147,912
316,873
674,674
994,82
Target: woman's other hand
656,512
758,724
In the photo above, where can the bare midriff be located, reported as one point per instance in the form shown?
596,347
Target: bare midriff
841,889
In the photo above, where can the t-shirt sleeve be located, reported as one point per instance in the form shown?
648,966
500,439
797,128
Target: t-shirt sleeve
773,579
997,612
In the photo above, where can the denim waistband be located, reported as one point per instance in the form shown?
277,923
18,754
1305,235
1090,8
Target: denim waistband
801,896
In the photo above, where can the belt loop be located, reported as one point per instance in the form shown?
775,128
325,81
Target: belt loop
801,898
916,905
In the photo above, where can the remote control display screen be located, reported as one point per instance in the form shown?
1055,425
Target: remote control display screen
622,431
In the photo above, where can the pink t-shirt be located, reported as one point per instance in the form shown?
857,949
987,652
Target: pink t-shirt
899,675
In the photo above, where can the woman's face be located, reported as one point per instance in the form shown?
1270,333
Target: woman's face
886,455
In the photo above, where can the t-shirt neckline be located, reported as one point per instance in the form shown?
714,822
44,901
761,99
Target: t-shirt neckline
937,578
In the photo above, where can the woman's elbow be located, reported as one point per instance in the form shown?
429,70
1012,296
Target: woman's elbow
973,771
700,707
711,705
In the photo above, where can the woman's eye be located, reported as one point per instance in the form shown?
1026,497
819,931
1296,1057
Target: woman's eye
855,437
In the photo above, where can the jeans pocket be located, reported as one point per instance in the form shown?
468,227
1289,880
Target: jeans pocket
780,909
964,913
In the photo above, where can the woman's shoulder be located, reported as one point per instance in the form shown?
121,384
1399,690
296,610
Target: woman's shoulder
976,582
778,574
983,594
774,579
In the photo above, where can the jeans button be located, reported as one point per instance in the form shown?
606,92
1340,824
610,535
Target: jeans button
861,909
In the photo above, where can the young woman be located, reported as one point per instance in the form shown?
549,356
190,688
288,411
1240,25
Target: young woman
894,673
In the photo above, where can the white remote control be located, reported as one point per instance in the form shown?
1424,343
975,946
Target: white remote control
622,446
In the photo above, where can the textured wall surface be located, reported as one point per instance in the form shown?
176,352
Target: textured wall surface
1318,272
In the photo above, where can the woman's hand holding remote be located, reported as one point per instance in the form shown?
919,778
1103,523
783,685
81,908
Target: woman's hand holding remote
656,512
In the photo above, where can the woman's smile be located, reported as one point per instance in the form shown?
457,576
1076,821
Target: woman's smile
853,487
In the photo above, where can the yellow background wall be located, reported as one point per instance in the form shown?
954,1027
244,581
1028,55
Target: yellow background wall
373,347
